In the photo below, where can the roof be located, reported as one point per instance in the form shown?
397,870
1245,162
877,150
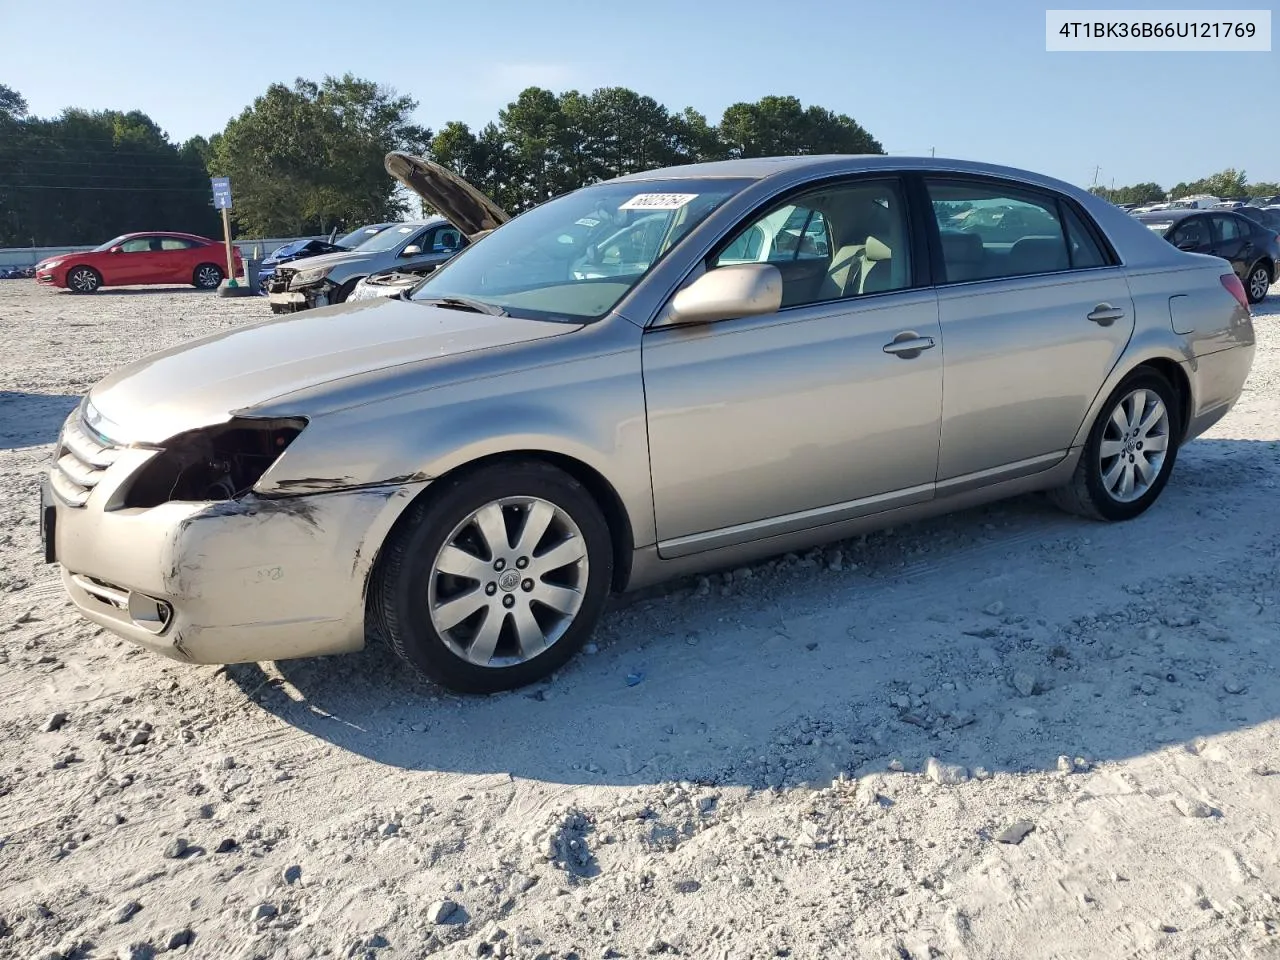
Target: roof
1172,213
760,168
167,233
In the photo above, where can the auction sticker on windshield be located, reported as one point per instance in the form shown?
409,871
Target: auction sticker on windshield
658,201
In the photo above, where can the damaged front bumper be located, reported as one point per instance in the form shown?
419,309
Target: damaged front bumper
284,299
234,581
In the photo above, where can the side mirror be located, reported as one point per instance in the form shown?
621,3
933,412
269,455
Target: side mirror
412,250
1187,245
738,290
114,250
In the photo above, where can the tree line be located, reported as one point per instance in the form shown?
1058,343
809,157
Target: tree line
307,158
1224,184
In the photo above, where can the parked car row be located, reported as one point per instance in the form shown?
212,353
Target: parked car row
301,249
1252,249
17,273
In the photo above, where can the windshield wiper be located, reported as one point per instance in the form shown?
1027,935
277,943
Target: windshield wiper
466,303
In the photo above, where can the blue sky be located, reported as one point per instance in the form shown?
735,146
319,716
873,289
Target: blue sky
972,80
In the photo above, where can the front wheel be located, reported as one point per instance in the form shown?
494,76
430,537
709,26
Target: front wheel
1258,283
1130,452
207,276
496,580
83,280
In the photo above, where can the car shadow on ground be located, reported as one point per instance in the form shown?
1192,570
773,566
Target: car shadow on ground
32,419
849,670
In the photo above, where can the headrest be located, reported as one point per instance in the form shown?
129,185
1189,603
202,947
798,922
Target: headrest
876,250
961,247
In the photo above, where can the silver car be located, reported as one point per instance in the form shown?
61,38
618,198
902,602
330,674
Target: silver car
799,349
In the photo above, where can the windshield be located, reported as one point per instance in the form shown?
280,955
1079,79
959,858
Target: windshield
113,242
576,256
390,238
357,237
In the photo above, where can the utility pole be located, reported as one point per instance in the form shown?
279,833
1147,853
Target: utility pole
1096,171
931,153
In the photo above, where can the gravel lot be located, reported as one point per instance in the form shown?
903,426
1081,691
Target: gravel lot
1004,734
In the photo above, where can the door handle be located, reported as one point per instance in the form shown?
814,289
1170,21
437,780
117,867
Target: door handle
908,345
1104,314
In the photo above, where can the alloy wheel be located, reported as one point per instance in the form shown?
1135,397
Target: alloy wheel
208,277
1134,444
83,280
508,581
1259,281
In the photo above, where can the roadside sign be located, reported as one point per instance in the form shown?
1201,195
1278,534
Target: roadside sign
222,201
221,193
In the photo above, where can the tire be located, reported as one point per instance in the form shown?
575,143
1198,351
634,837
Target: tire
83,280
511,636
1096,489
1257,282
340,295
207,276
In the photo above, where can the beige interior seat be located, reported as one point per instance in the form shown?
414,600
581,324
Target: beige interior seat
876,268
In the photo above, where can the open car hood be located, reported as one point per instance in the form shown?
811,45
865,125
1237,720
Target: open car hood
452,197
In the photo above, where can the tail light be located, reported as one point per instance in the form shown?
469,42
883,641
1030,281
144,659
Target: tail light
1235,288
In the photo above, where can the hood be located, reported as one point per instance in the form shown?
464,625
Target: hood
454,198
209,380
327,260
300,249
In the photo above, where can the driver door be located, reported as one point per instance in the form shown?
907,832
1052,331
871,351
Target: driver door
760,426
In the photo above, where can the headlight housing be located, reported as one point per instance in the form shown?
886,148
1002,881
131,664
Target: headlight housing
51,264
222,462
304,277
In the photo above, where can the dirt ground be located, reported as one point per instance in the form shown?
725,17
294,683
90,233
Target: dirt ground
1008,733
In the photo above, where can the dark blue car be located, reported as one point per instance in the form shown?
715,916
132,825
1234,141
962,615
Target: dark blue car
300,249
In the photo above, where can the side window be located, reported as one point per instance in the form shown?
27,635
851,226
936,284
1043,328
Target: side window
992,232
175,243
137,245
1084,249
1227,228
446,238
844,240
1193,231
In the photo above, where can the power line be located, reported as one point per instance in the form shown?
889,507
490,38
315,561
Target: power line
37,186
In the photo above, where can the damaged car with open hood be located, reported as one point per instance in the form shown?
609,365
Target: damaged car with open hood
330,278
672,371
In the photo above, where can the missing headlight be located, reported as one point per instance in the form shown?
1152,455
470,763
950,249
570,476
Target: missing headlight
212,463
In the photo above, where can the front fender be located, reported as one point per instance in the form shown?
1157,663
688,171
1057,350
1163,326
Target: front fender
589,408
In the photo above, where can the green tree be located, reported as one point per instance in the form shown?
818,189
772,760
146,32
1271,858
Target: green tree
781,126
12,104
86,176
309,157
1137,193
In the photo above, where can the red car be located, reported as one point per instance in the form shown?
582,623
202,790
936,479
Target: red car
137,258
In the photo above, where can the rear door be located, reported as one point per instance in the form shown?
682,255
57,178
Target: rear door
1232,240
175,262
1193,234
1035,312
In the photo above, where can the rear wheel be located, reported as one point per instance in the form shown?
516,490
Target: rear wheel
497,580
1258,282
207,276
83,280
1130,452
